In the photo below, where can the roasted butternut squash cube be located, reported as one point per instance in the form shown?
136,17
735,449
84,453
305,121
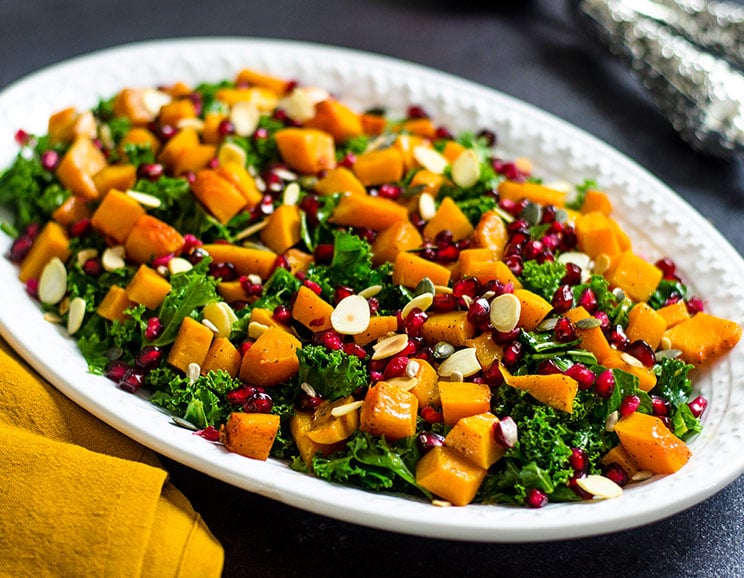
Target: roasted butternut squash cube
217,194
191,345
597,235
78,165
674,313
272,359
635,276
140,136
487,269
336,119
593,340
264,99
449,217
339,180
222,355
425,181
463,398
150,237
283,228
130,103
184,139
117,215
426,388
328,428
651,444
250,434
379,325
375,213
452,327
409,269
176,110
193,159
534,309
472,437
533,192
379,166
646,324
114,304
389,411
299,425
148,288
242,180
397,238
307,150
448,475
487,351
312,310
252,77
121,177
619,456
73,209
704,336
556,390
596,201
51,242
247,261
491,233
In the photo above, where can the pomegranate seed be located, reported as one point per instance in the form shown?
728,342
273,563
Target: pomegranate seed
116,370
49,160
154,328
513,354
578,490
132,380
355,350
375,376
282,314
668,267
505,337
588,300
150,171
244,347
616,473
536,498
240,395
604,385
32,287
659,406
493,376
548,367
416,111
414,322
565,330
249,288
515,264
604,320
259,402
443,303
331,340
578,461
505,432
514,208
225,128
323,253
389,191
488,136
396,367
568,239
162,260
166,132
223,271
148,357
310,205
313,286
550,242
695,305
582,374
22,137
672,299
209,433
616,336
443,133
479,312
563,298
348,160
310,402
431,415
533,249
20,248
468,287
197,255
80,228
448,254
629,405
428,439
548,214
698,405
642,351
519,226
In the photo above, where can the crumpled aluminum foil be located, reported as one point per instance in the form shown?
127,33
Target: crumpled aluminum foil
687,53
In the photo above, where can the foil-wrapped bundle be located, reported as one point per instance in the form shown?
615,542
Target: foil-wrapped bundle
688,54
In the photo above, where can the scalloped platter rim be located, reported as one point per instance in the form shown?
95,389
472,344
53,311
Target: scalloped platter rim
652,213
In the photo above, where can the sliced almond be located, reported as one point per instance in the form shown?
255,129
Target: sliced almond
441,503
191,122
523,165
193,370
144,199
106,136
347,408
153,100
291,194
612,420
351,316
370,291
299,105
630,360
53,282
412,368
228,311
256,329
113,258
430,159
219,318
211,326
76,315
427,206
601,264
244,117
308,389
252,230
422,302
463,362
406,383
665,343
389,346
52,317
641,475
85,254
179,265
599,487
581,260
229,152
466,169
505,312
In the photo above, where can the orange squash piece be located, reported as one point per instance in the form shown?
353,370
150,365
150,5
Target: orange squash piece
704,336
367,211
674,313
147,287
487,351
491,233
425,181
406,144
336,119
73,209
218,195
121,177
250,434
247,261
76,169
114,304
305,149
130,103
251,77
191,345
299,425
461,399
373,124
651,444
409,269
447,474
242,180
272,359
117,215
451,326
645,323
389,411
176,110
472,437
593,340
397,238
140,136
264,99
556,390
379,325
635,276
449,217
150,237
339,180
311,310
63,126
380,166
533,192
283,229
426,388
619,456
51,242
596,201
222,355
534,309
184,139
596,235
329,429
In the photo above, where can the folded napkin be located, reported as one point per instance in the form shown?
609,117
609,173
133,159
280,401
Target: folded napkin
78,498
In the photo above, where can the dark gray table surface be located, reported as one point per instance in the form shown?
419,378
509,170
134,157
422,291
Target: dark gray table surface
531,50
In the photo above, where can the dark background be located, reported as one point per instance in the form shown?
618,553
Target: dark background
532,50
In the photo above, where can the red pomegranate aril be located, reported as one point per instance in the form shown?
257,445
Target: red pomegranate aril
225,128
313,286
505,337
442,132
355,350
249,288
209,433
518,226
416,111
149,357
348,161
695,305
431,415
448,254
266,206
310,205
564,330
515,264
240,395
245,346
550,242
331,340
467,287
22,138
578,460
533,249
443,303
166,132
342,292
584,376
642,351
616,473
616,336
493,376
506,432
588,300
323,253
154,328
20,248
488,136
568,238
513,354
224,271
282,314
514,249
578,490
162,260
32,287
629,405
668,267
563,298
444,238
698,406
604,385
116,370
548,214
414,322
512,207
479,312
396,367
604,320
573,274
150,171
659,406
536,498
80,228
389,191
49,160
132,380
428,439
310,402
548,367
259,402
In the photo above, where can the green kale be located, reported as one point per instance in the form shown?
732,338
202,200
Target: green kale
543,278
202,402
581,190
667,288
673,384
473,209
333,374
139,154
178,206
208,94
100,341
314,229
278,289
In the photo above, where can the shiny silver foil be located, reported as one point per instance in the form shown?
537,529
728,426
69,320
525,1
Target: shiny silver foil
686,53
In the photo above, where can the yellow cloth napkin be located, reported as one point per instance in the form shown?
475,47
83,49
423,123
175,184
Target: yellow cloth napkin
78,498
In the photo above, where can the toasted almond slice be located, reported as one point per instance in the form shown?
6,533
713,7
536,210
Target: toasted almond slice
422,302
308,389
601,263
76,315
611,421
505,312
412,367
113,258
291,194
52,317
244,117
85,254
211,326
229,152
441,503
630,360
599,487
370,291
430,159
463,362
466,169
406,383
191,122
219,318
153,100
443,289
641,475
252,230
64,305
347,408
427,206
228,311
193,371
256,329
389,346
53,282
351,316
179,265
144,199
106,136
299,105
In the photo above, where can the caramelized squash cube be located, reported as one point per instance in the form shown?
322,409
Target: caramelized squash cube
448,475
375,213
114,304
218,195
250,434
272,359
389,411
452,327
148,288
117,215
51,242
462,399
247,261
305,149
76,169
449,217
311,310
635,276
556,390
379,166
283,229
191,345
150,237
472,437
222,355
409,269
651,444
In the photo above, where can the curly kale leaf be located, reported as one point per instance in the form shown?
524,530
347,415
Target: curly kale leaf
333,374
543,278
